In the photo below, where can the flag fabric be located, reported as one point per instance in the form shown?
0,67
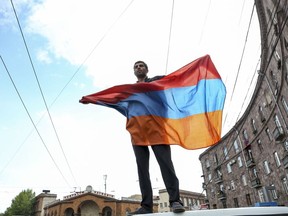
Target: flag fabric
183,108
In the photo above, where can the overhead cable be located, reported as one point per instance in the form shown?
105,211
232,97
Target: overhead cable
42,94
34,125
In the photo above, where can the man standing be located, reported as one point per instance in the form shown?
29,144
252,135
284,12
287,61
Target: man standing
163,155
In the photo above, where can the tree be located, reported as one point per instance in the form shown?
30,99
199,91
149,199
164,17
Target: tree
22,204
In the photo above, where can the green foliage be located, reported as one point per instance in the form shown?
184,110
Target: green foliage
22,204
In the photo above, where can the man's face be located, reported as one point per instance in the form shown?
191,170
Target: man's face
140,70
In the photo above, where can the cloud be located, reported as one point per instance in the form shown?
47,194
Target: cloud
43,56
73,33
7,15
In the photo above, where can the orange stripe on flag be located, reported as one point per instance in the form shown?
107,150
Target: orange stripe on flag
193,132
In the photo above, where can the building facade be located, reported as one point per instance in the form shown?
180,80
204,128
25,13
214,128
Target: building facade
94,203
85,203
249,165
191,200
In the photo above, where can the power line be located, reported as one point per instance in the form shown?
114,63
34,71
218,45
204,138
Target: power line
68,82
34,125
243,51
170,31
240,63
91,52
250,85
42,94
269,29
205,20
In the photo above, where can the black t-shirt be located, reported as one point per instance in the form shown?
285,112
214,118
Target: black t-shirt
153,78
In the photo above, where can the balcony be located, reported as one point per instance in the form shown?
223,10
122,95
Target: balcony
204,186
255,183
279,133
221,195
285,161
250,162
218,180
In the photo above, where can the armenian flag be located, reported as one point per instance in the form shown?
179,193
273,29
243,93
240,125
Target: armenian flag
183,108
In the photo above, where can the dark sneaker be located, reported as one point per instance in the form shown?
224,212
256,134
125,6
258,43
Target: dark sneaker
141,210
177,207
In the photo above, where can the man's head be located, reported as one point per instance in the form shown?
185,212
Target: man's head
140,69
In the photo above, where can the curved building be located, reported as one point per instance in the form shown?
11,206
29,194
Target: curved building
249,165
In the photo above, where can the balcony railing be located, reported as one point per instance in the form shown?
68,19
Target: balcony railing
250,162
221,195
255,183
279,133
218,180
285,161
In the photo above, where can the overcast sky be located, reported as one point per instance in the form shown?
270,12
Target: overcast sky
81,47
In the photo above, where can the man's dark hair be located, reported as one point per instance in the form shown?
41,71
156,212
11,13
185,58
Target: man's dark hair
146,66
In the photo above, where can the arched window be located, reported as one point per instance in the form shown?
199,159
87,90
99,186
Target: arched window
107,211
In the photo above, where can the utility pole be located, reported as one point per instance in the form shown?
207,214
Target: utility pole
105,179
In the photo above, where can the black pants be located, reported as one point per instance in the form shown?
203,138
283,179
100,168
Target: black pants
163,156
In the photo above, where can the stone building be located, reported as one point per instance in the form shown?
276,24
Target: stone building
85,203
90,202
191,200
249,165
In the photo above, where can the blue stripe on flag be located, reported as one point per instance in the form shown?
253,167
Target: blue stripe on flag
206,96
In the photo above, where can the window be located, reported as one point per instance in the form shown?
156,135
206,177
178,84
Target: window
277,56
274,194
268,97
226,153
285,184
249,154
248,200
286,145
233,187
274,83
229,169
209,177
222,187
245,136
277,121
268,134
261,113
266,167
207,163
285,105
244,180
236,204
218,173
253,125
240,164
236,146
260,146
261,195
224,203
277,160
215,158
254,173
